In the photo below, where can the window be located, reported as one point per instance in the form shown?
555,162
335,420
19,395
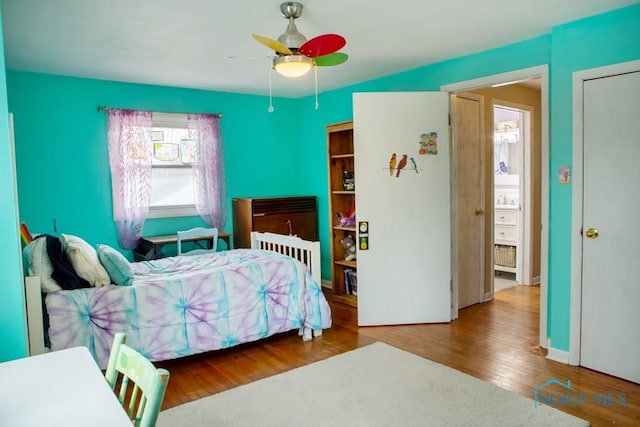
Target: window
179,155
172,175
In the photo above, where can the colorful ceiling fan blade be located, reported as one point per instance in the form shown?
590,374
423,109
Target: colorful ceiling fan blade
273,44
322,45
335,58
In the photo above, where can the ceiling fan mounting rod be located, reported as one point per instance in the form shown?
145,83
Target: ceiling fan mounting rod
291,10
291,38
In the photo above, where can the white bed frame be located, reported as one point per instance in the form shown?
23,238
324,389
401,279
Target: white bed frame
304,251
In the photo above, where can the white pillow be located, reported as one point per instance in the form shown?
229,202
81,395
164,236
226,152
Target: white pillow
40,264
84,259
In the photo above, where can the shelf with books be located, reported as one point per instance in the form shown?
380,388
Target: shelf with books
342,192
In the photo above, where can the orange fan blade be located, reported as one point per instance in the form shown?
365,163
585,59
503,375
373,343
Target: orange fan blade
335,58
273,44
322,45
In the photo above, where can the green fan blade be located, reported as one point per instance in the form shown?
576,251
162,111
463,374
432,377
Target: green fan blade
335,58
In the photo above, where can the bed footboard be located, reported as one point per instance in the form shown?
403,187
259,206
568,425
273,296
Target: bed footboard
304,251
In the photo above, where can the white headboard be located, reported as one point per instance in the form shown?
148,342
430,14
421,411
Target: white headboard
35,326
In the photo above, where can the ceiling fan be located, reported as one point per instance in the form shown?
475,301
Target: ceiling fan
295,55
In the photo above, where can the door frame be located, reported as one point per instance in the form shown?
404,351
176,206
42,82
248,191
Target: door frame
542,72
579,77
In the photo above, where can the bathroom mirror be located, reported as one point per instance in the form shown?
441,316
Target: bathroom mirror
506,148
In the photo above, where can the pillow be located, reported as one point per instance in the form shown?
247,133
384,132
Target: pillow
118,267
84,260
39,264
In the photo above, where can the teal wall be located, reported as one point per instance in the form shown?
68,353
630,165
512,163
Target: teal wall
62,157
63,164
13,332
601,40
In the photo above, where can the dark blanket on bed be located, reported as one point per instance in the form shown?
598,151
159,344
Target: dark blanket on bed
63,272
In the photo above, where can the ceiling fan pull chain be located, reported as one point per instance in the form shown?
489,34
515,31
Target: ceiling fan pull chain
270,108
315,71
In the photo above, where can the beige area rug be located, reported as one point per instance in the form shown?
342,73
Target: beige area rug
376,385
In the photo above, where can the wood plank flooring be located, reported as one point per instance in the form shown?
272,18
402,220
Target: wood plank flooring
495,341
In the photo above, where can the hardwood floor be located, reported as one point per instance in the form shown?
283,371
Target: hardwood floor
495,341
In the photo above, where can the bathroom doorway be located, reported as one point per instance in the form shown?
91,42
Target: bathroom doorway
511,189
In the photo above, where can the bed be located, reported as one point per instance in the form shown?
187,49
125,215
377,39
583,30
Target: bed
186,305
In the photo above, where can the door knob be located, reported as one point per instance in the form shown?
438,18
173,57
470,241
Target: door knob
592,233
479,212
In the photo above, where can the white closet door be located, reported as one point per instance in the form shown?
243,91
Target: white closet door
610,329
405,275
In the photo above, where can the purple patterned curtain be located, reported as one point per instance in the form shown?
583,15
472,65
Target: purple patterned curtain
208,168
130,157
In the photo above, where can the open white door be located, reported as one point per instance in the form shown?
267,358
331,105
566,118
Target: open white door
404,275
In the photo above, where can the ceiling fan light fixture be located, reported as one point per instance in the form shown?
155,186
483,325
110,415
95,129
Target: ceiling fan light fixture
292,65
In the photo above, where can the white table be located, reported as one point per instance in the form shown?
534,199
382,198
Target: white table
63,388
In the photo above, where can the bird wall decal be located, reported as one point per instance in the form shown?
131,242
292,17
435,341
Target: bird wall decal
401,164
392,164
413,164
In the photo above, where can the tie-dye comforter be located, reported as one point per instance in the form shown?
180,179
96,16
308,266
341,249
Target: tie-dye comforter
191,304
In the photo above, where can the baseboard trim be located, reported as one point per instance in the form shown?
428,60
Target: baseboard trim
557,355
326,284
536,280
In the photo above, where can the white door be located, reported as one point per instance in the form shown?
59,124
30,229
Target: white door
405,274
610,326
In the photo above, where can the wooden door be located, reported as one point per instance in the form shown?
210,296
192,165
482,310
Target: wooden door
468,189
404,276
610,326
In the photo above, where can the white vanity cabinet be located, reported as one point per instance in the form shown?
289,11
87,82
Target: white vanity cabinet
506,238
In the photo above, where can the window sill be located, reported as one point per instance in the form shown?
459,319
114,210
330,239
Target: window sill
171,211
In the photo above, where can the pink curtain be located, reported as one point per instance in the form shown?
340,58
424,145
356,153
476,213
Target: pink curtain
130,157
208,168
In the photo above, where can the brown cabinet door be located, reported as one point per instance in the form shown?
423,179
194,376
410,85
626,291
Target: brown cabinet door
301,224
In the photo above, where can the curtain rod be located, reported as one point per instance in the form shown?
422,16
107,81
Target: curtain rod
105,108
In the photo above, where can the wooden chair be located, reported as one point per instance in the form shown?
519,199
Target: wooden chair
141,386
198,232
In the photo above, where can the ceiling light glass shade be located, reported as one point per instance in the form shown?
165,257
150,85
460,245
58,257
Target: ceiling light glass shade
292,65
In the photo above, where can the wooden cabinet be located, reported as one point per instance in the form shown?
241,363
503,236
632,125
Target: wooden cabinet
341,201
297,215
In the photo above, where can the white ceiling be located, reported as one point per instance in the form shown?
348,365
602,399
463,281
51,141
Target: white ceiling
187,43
